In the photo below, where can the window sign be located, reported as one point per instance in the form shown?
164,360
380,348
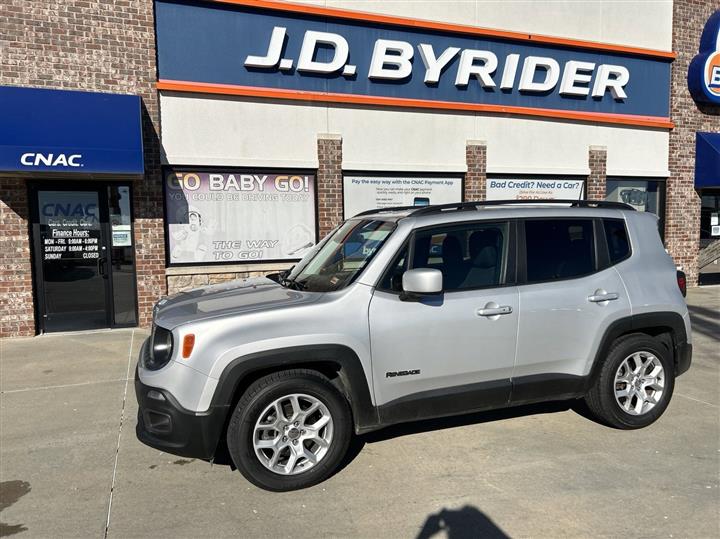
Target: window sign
534,188
119,199
236,216
710,214
643,195
121,236
69,225
363,193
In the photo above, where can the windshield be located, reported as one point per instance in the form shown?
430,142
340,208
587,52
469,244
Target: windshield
341,256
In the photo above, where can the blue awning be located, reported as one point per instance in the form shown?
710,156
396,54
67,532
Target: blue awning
707,160
68,132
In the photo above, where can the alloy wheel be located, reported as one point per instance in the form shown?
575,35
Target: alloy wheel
639,383
293,434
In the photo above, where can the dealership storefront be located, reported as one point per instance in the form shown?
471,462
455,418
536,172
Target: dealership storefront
275,121
373,110
78,153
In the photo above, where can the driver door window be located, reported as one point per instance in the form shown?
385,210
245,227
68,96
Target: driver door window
469,257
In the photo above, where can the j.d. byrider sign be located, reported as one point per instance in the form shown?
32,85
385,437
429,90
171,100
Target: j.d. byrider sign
393,60
286,51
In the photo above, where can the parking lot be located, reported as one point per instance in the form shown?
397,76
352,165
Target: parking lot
71,466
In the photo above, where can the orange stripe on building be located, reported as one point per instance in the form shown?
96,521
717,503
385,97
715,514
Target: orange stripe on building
330,97
291,7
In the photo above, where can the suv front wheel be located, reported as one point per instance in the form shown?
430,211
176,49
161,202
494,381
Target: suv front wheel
635,383
290,430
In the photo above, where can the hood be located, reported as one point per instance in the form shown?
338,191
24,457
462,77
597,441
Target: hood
230,298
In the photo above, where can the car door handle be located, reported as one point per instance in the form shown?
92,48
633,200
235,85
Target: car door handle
494,311
600,296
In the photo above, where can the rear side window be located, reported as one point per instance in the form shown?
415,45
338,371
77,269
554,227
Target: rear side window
559,249
617,239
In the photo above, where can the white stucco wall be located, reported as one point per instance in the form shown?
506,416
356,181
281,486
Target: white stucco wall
212,130
638,23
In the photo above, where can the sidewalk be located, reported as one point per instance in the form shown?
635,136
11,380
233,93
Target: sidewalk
70,465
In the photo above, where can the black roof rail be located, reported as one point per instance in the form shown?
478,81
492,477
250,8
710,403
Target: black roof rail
469,206
388,210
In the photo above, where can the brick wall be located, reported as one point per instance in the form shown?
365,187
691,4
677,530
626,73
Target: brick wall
682,213
476,176
329,182
180,283
16,307
596,186
95,45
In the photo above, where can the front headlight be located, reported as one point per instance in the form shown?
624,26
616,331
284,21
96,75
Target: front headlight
161,345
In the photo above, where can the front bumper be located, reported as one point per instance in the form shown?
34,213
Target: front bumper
165,425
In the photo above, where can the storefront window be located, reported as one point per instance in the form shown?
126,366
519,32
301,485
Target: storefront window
368,191
217,216
123,256
643,195
710,215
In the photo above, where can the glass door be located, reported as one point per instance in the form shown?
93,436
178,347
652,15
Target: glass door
122,252
72,260
84,262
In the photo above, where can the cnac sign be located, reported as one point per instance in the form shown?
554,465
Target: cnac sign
65,132
287,52
32,159
704,70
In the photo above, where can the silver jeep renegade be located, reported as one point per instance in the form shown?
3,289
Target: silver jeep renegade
404,314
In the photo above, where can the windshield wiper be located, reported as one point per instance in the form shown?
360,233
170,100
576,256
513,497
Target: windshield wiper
294,284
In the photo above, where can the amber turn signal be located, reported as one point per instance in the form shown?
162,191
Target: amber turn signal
188,344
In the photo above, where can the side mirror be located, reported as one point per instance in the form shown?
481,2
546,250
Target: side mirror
421,282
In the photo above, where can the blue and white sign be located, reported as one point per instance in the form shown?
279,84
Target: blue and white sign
704,70
315,55
76,133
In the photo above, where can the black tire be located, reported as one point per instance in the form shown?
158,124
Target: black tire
601,398
260,395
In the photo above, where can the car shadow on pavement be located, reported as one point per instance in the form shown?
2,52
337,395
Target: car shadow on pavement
704,321
429,425
464,523
11,492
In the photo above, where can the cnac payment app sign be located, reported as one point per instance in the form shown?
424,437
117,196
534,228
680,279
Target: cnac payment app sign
704,70
281,52
235,216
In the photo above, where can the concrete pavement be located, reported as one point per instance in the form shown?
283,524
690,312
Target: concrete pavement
70,465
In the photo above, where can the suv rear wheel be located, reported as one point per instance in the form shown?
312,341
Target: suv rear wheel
635,383
290,430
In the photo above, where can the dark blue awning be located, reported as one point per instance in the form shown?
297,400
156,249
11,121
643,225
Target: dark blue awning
68,132
707,160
